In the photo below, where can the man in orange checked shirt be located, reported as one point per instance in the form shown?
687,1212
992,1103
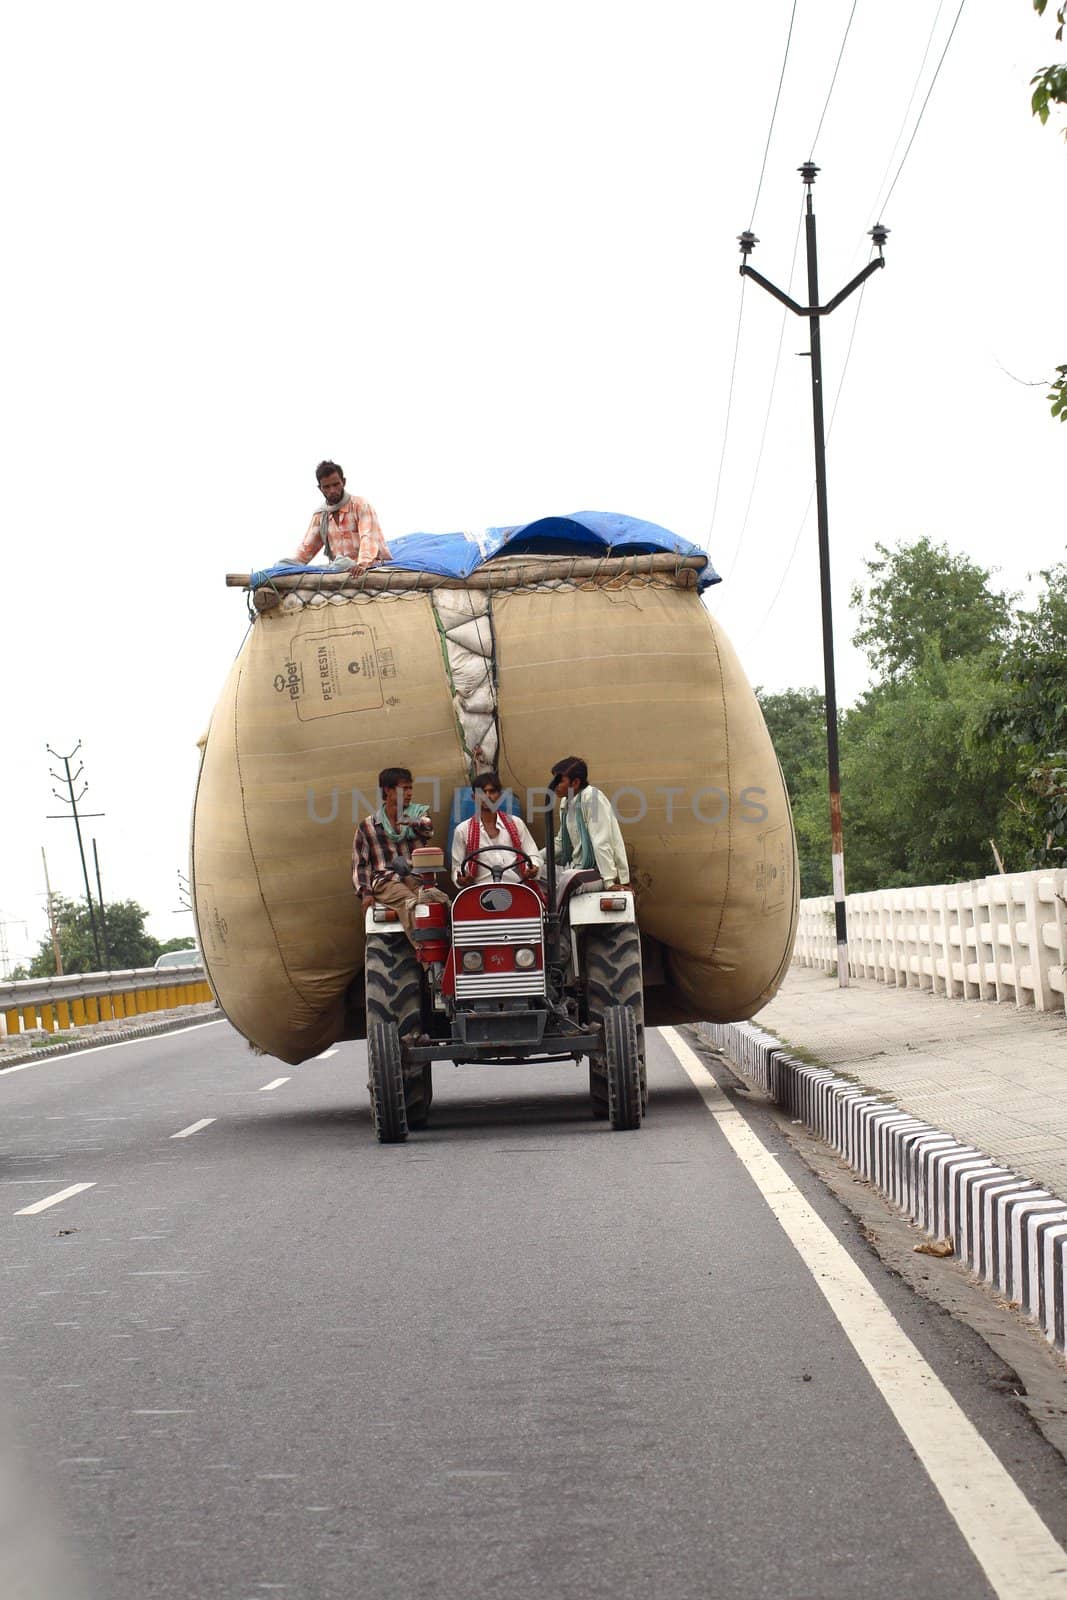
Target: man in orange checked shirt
345,527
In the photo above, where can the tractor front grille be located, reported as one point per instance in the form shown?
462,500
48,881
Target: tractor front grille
498,985
502,930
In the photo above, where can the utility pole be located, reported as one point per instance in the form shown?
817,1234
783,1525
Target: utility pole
813,311
103,909
71,799
53,930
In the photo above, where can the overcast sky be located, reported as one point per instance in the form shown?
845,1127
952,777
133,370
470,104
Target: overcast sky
484,254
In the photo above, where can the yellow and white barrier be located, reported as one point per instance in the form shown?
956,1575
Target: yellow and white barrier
56,1005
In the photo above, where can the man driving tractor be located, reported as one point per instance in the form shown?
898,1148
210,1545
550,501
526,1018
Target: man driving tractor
495,835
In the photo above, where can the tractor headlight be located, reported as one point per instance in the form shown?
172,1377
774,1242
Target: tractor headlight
525,958
472,961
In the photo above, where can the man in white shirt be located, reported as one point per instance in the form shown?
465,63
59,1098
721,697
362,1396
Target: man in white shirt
589,834
497,834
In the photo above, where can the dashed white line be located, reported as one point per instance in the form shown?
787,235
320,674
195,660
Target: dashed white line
326,1054
194,1127
53,1199
1013,1546
275,1083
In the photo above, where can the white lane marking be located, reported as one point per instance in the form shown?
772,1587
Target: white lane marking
275,1083
326,1054
1014,1548
194,1127
53,1199
119,1044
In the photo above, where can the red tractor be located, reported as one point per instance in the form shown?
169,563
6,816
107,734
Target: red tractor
507,973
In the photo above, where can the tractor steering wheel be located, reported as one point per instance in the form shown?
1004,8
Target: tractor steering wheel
495,872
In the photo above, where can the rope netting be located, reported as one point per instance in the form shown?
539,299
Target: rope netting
294,591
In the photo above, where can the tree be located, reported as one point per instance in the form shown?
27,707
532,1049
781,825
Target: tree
1050,88
923,786
796,721
1030,717
921,596
176,944
1050,84
128,943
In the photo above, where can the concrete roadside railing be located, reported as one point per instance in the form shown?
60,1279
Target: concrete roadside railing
54,1005
1000,938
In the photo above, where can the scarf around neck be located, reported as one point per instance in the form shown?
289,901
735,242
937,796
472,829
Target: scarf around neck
402,835
586,853
474,838
324,520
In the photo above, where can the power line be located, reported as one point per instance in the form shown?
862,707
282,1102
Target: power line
741,302
729,408
907,109
922,109
739,545
833,80
774,113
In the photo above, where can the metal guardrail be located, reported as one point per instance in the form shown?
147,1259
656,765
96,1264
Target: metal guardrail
54,1005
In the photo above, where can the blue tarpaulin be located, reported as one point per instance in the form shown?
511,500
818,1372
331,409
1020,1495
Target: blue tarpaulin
591,533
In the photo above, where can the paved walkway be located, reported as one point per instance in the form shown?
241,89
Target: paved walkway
993,1076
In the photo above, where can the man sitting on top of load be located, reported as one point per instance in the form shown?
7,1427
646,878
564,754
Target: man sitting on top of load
589,833
497,835
345,527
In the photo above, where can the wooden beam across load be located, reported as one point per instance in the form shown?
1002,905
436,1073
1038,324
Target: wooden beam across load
502,572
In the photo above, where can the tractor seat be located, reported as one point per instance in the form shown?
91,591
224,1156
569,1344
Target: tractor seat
569,883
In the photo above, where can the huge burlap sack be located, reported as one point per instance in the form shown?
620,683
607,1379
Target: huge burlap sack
632,674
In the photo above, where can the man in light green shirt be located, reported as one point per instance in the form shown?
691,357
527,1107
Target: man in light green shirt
589,833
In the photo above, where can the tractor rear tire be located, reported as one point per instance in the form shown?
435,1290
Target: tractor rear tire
612,957
393,980
623,1069
386,1083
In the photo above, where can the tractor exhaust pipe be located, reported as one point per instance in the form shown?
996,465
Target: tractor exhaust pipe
552,917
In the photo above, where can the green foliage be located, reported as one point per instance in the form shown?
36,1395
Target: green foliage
176,944
958,753
796,721
128,943
1030,719
1050,84
1050,89
923,789
921,597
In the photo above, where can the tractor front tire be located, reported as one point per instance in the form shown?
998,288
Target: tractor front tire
611,953
418,1095
393,980
623,1069
386,1083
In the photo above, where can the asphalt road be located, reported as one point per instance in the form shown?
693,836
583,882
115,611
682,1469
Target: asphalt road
520,1355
